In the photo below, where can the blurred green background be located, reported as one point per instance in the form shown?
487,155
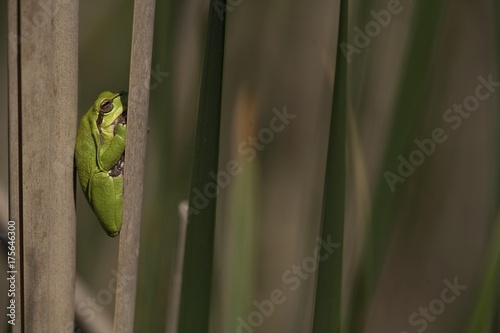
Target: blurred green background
399,247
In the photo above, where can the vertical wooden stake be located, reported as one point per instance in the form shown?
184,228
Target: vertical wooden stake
43,79
135,154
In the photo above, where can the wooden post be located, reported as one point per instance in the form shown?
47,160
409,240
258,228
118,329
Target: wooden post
135,154
43,87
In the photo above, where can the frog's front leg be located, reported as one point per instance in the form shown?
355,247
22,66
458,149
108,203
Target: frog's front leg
109,155
106,200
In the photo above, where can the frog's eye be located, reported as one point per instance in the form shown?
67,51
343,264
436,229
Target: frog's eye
106,105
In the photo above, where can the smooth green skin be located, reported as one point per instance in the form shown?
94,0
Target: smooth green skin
97,150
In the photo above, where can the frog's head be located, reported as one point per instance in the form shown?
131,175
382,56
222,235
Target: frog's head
111,109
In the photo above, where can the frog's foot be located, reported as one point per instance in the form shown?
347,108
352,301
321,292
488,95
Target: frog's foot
107,192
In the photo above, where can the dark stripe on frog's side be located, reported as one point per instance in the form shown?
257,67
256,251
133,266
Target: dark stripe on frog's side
98,123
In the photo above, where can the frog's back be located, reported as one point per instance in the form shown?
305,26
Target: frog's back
85,151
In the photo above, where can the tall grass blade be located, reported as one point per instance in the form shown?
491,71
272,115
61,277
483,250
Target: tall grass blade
485,313
176,284
197,273
327,311
409,103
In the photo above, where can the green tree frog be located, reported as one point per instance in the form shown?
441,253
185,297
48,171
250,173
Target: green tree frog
100,154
